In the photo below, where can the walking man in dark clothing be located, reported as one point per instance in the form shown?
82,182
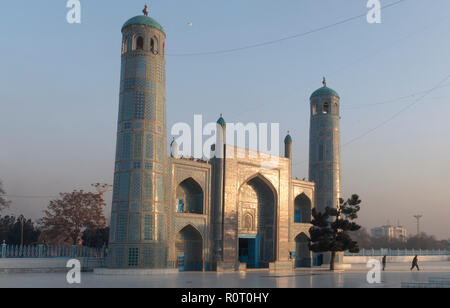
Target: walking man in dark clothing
415,263
384,262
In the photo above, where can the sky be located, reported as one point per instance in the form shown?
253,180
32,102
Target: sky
59,86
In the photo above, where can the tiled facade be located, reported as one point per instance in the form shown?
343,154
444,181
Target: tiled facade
240,210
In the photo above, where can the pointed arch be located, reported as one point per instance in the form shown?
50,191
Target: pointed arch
302,252
258,201
302,209
262,178
189,197
189,247
154,45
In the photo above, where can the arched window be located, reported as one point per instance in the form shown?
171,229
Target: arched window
124,45
154,45
189,197
314,109
302,209
326,108
140,43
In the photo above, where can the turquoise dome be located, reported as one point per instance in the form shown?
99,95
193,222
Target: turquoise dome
288,139
325,91
143,20
221,122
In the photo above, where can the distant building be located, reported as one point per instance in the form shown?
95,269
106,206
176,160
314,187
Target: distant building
390,233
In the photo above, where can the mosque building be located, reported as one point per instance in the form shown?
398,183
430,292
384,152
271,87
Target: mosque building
230,213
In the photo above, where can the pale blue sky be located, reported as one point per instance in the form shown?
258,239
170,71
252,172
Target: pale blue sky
59,87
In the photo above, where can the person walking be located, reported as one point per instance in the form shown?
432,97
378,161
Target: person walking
383,261
415,263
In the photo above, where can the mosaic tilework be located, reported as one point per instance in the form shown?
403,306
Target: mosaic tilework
148,257
119,254
131,68
139,105
148,186
148,207
149,146
112,232
135,207
121,232
150,107
159,188
123,206
141,68
162,227
136,186
124,186
116,187
138,189
134,229
133,257
137,145
148,227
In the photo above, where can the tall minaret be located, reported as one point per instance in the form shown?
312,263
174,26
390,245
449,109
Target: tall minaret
139,220
324,147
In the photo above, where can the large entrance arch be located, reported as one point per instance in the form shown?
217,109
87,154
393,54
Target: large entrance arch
189,245
302,252
257,221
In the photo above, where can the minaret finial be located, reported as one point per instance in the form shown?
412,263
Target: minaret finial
145,10
324,82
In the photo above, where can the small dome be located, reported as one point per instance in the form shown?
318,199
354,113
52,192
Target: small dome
221,122
325,91
143,20
288,139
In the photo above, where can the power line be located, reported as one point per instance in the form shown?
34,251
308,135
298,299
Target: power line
398,113
291,37
390,101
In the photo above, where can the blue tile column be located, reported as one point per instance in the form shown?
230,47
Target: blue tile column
139,218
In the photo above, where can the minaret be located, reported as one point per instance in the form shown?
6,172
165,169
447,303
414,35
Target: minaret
288,146
139,220
219,176
324,147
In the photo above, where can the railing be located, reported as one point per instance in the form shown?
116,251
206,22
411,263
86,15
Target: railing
397,253
433,282
44,251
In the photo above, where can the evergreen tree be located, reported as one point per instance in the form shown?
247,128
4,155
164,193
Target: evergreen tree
331,229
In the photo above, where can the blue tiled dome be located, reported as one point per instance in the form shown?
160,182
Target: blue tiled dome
221,122
324,91
143,20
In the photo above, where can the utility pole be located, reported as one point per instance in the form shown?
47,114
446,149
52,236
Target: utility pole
418,217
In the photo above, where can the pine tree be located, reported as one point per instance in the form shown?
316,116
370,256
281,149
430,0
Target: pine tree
330,230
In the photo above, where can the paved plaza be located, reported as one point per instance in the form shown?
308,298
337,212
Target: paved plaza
314,278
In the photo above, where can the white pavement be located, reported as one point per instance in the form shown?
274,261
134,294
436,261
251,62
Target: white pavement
315,278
